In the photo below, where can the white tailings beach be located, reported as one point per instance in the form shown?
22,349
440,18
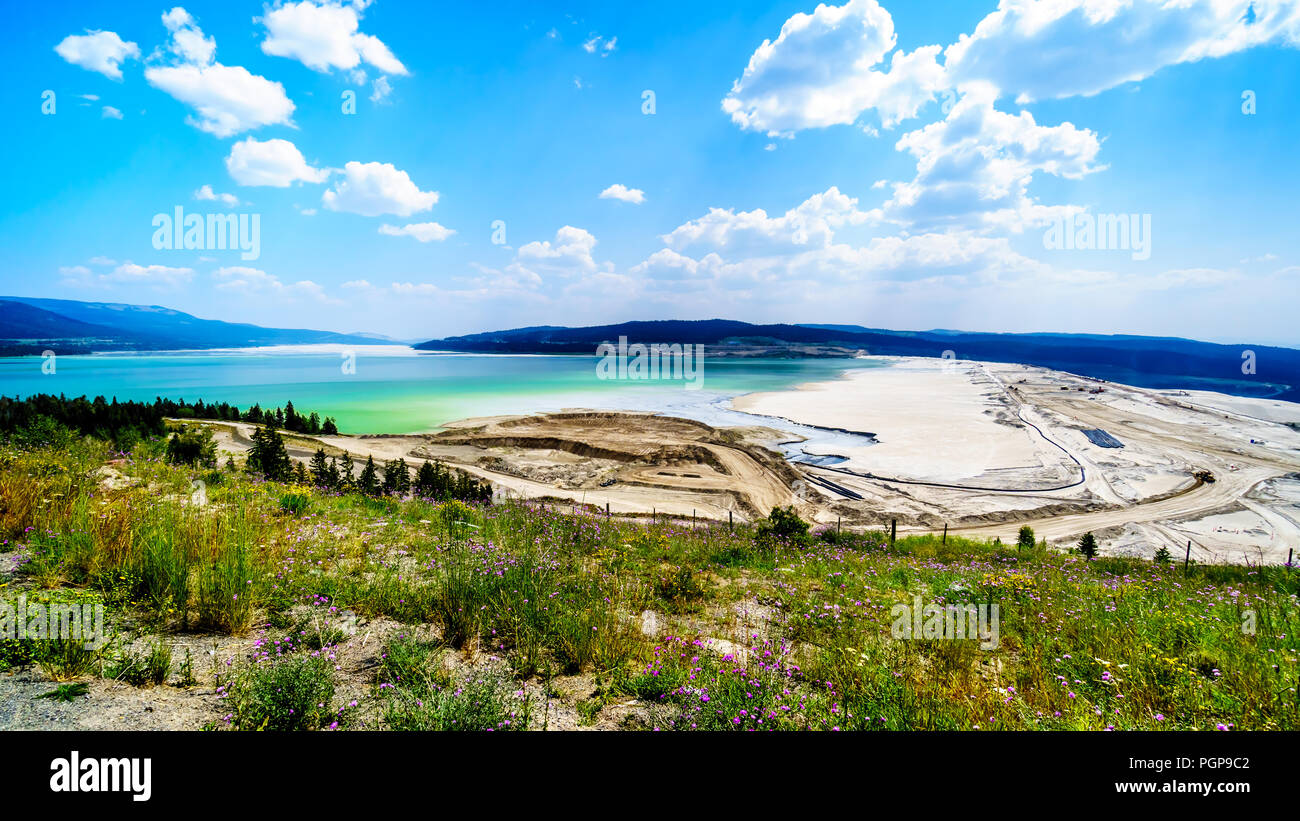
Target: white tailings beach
987,447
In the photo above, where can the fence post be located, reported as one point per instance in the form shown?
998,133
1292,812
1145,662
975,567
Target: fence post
945,533
893,531
731,524
1188,558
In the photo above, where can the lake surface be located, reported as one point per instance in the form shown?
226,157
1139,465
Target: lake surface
396,390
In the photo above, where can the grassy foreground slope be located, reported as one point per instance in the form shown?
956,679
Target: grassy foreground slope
329,611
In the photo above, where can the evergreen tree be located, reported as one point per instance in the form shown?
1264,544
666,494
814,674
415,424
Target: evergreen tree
320,469
403,477
425,479
1025,541
191,446
291,421
368,483
268,456
328,428
397,477
300,473
1088,545
390,477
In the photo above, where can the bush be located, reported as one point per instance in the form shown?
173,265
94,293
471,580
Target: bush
784,524
150,667
482,703
288,693
42,432
192,446
66,659
679,587
15,653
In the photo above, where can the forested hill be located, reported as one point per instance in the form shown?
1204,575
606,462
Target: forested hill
28,325
1156,362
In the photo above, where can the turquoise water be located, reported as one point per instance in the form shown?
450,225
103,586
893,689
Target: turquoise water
395,390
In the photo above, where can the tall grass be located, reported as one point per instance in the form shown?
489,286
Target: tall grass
1115,642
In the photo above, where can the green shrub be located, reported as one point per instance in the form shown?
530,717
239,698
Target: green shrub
288,693
481,703
66,659
783,523
679,587
150,667
15,653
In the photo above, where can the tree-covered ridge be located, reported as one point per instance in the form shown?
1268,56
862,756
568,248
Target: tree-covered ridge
131,420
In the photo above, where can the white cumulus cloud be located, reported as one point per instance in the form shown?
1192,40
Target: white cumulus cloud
325,36
827,68
973,168
618,191
277,163
373,188
1061,48
101,51
227,99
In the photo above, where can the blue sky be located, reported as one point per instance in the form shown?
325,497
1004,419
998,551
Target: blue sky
893,164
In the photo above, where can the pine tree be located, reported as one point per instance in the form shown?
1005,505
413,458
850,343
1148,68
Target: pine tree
424,480
1088,545
328,428
403,477
300,473
368,483
347,478
268,455
390,476
320,469
1025,541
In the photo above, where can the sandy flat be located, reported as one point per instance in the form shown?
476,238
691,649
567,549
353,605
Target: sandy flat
932,420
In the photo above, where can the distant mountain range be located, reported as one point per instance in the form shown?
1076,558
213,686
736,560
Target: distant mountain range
69,326
30,326
1152,362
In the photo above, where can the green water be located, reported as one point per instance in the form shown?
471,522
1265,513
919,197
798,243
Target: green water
394,390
